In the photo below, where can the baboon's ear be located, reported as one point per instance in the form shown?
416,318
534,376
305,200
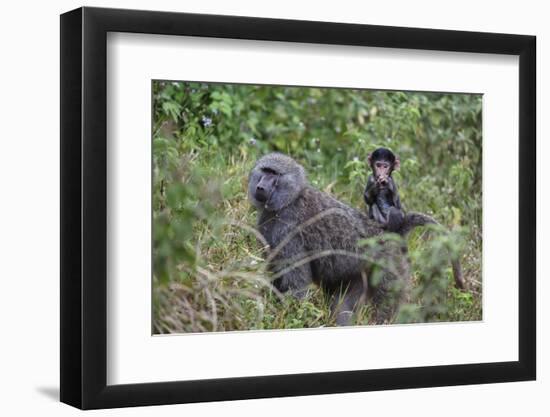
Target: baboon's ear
397,163
369,159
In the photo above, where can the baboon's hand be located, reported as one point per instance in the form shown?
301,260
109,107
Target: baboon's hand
382,181
280,284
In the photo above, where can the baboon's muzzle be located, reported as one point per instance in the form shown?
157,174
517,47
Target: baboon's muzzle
261,194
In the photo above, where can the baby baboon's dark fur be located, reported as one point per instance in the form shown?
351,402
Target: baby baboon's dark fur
314,238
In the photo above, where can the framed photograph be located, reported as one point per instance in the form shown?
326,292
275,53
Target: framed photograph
258,208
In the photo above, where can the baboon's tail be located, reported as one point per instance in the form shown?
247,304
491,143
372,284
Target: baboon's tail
412,220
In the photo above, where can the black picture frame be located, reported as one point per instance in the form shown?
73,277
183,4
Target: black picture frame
84,207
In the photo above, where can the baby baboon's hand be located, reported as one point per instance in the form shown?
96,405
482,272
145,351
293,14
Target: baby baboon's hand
382,180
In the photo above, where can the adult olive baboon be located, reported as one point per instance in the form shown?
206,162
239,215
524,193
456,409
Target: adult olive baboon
315,238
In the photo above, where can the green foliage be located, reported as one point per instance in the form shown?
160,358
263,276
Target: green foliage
209,270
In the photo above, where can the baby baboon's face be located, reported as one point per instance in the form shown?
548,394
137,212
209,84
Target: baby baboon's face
382,171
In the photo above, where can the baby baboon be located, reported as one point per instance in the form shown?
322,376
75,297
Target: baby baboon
315,238
382,198
381,195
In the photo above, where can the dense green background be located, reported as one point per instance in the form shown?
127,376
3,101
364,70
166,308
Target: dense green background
209,273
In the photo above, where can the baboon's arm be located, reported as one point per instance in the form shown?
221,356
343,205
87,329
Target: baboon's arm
371,191
395,194
293,271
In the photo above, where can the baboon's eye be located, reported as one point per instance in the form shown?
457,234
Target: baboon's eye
269,171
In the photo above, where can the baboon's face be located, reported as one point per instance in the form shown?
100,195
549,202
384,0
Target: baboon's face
383,162
262,187
382,170
275,182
